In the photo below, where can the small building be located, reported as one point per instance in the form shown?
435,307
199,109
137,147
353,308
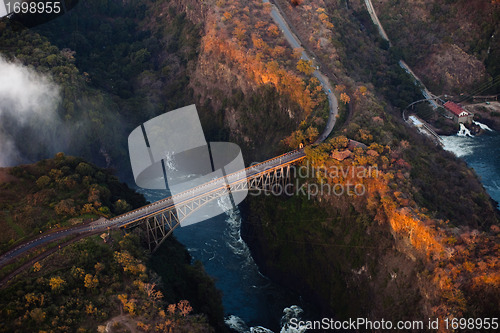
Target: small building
341,155
459,115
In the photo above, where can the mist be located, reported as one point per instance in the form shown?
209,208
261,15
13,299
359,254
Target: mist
29,122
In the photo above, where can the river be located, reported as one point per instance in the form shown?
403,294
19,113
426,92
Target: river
481,154
252,303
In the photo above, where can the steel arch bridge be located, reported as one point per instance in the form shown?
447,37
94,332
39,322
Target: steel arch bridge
161,218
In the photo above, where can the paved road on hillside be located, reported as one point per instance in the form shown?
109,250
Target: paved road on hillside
373,15
294,42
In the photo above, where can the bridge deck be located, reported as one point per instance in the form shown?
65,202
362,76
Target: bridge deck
157,207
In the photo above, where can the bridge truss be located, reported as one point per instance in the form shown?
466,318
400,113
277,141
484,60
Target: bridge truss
159,226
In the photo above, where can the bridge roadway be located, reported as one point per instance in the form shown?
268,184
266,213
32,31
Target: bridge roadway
129,218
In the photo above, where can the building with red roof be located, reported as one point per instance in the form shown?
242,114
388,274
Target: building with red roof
458,113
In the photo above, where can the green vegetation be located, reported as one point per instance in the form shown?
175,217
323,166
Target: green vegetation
95,112
379,254
253,84
114,69
390,252
59,192
439,38
139,63
86,284
298,235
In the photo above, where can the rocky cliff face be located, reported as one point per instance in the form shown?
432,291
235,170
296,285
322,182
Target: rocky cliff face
342,262
377,255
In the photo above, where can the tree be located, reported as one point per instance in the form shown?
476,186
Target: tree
239,33
316,155
37,267
43,182
312,134
90,309
65,207
153,294
227,16
184,308
38,315
77,273
94,196
363,90
339,142
56,283
88,209
295,139
121,206
129,263
31,298
305,67
340,87
273,30
91,282
99,267
85,169
345,98
278,51
104,211
259,42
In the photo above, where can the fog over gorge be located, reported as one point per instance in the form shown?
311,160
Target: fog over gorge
28,113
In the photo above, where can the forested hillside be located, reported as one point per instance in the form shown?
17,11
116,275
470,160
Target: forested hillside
405,243
111,69
251,82
91,284
56,193
92,281
452,45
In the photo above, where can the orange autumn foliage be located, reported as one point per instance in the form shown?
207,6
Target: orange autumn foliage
261,72
345,98
421,236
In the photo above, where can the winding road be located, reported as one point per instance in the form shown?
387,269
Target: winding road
295,43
